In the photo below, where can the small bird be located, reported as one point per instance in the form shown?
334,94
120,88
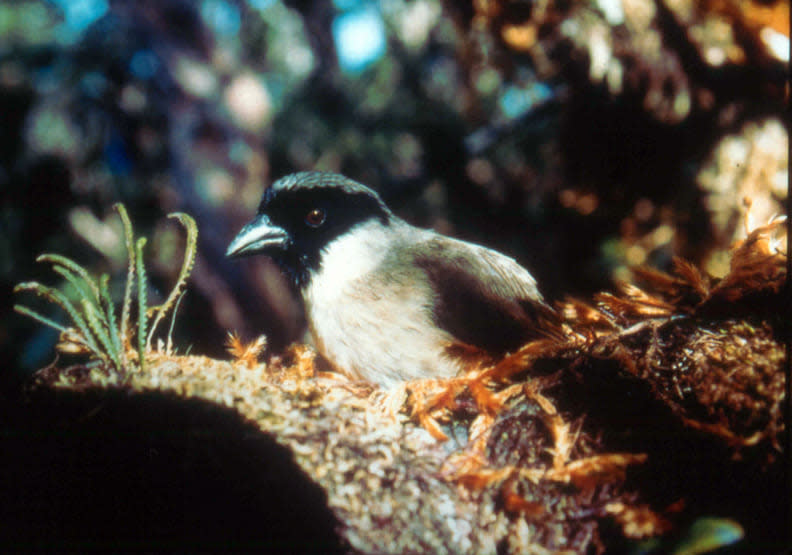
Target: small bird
386,301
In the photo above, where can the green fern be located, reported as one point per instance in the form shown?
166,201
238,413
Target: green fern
142,301
104,289
81,332
129,241
95,328
187,266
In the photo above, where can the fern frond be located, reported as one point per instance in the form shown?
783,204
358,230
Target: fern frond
187,266
58,298
30,313
84,289
129,240
169,346
99,316
109,310
59,261
94,320
142,285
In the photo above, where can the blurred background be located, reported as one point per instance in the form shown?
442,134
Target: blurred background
580,137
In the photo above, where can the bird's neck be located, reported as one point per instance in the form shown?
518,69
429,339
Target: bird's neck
348,258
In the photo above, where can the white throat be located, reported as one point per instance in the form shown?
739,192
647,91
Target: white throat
345,259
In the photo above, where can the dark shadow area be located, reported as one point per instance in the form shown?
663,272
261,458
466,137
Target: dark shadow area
116,471
697,472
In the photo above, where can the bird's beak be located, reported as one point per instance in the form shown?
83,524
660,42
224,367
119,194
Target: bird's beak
260,236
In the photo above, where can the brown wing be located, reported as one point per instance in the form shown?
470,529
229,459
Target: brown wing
483,298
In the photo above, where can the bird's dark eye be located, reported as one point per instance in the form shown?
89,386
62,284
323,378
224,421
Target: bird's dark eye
315,217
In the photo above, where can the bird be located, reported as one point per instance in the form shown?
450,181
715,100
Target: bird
385,301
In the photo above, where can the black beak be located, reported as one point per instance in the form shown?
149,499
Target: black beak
260,236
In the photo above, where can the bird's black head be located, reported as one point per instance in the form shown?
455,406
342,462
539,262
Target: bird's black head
302,213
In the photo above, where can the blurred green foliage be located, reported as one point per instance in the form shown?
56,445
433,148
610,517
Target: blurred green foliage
552,134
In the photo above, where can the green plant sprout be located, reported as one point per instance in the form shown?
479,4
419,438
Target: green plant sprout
95,329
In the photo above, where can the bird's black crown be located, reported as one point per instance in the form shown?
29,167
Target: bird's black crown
314,209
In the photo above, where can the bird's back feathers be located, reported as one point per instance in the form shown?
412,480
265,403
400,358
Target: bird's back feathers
483,298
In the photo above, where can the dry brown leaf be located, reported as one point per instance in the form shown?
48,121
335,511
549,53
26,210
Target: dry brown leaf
563,442
692,277
593,471
246,354
756,265
481,478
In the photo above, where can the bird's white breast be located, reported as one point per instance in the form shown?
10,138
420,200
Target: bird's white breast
371,321
347,258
